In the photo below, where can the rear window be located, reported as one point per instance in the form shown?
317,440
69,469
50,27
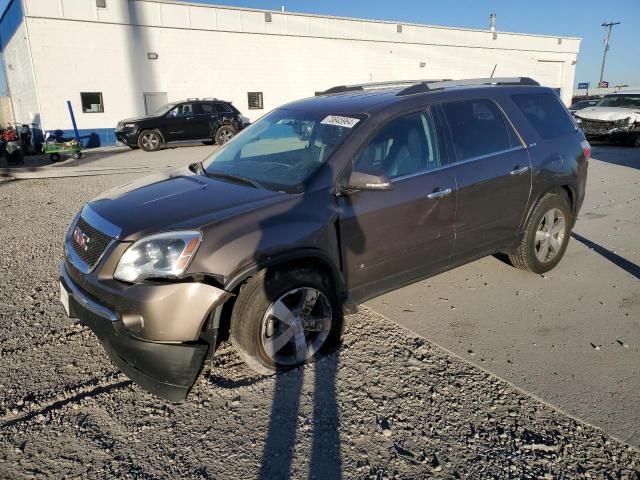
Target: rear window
545,113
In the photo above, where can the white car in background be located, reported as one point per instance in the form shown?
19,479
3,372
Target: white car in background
616,117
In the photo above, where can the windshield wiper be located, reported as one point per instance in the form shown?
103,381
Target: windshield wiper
232,177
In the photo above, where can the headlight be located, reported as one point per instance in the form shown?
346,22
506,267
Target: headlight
621,123
578,120
129,125
164,255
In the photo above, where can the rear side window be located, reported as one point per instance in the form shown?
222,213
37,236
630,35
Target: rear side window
223,108
545,114
205,109
478,128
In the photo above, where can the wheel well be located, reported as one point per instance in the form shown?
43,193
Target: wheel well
151,130
308,262
566,190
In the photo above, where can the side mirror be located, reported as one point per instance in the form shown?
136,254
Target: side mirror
368,181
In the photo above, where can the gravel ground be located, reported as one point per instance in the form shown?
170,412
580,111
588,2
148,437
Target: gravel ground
388,404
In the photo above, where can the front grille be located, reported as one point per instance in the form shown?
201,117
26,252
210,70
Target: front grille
596,125
95,245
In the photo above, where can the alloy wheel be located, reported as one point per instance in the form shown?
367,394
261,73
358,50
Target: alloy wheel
225,136
550,235
296,326
150,141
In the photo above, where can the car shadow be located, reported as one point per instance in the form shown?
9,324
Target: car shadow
614,258
616,154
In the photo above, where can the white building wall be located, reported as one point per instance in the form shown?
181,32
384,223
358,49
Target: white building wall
226,52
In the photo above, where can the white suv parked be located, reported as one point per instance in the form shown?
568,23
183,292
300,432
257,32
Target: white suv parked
615,117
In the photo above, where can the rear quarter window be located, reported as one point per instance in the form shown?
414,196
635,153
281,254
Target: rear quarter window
545,114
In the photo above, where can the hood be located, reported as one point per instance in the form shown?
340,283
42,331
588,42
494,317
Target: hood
137,119
176,200
608,114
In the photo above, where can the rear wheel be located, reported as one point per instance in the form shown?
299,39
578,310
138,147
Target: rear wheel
546,236
224,134
285,318
149,140
54,157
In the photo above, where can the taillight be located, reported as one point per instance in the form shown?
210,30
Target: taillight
586,149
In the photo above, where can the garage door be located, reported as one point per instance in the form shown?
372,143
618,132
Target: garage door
549,74
153,101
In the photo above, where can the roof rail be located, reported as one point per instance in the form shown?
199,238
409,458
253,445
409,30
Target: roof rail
429,86
371,85
210,98
192,99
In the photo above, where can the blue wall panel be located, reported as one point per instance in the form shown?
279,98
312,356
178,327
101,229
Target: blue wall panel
11,20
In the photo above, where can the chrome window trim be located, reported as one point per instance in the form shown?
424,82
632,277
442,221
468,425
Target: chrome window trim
82,299
459,162
100,223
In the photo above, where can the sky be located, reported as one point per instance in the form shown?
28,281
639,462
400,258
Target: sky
574,18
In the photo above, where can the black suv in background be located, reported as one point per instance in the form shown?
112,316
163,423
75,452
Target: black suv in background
320,204
193,119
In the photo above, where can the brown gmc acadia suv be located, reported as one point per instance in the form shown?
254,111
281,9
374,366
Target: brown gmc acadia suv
323,203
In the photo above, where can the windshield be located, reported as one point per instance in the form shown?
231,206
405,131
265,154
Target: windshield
283,149
622,101
164,109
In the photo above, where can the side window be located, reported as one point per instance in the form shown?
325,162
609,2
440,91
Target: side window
205,109
477,128
183,110
222,108
405,146
545,113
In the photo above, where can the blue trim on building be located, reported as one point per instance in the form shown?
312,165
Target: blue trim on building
10,22
89,137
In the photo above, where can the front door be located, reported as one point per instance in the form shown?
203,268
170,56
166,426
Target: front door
180,122
493,173
388,237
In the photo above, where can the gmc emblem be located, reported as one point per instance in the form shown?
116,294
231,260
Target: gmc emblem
81,238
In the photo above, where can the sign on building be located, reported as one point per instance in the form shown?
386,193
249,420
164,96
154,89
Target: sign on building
583,85
603,84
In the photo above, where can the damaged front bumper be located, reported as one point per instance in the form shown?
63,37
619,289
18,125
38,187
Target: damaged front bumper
126,326
601,130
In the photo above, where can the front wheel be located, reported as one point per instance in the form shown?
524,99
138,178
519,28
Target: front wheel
285,318
224,134
546,236
149,141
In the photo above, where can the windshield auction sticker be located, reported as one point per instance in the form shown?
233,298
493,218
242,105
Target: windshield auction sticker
338,121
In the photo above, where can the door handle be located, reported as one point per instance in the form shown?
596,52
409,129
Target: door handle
439,193
520,170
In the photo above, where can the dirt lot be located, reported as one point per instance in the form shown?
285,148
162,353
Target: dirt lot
389,404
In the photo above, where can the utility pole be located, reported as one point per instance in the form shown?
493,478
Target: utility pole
608,26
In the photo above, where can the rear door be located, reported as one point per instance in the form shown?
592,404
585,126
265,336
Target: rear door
493,174
390,236
205,119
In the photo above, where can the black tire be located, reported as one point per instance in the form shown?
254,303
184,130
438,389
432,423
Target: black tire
526,256
224,134
77,155
249,316
149,140
54,157
632,140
